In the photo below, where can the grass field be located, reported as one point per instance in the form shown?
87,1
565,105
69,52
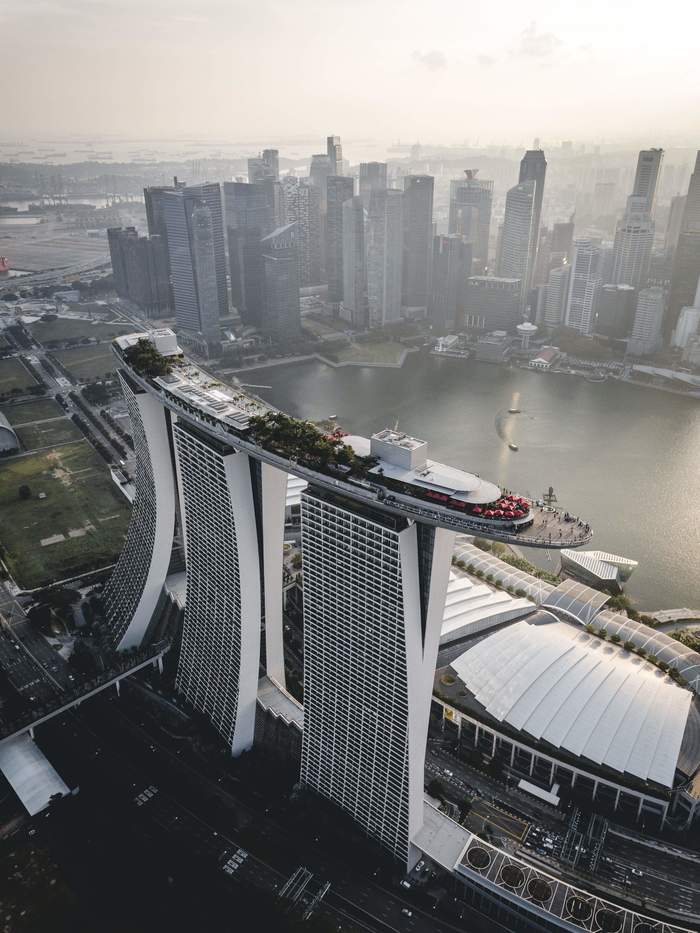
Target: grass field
80,498
48,433
88,362
384,352
13,375
67,328
32,411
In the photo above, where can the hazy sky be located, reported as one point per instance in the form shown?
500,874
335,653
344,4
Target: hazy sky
448,71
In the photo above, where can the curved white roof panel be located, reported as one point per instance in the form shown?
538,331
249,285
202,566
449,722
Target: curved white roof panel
472,607
579,693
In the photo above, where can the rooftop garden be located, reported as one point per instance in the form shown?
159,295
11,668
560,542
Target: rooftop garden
146,360
301,441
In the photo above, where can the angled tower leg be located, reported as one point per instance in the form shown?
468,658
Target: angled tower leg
220,653
274,497
374,593
132,592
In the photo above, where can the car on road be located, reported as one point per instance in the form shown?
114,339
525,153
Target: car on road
406,912
637,872
405,884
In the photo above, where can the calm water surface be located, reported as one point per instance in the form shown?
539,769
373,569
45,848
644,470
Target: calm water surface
626,459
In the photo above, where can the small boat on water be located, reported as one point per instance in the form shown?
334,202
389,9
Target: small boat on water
513,446
513,411
596,377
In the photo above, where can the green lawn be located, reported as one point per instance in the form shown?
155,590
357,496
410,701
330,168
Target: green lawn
320,328
14,375
67,328
32,411
79,496
369,352
88,362
48,433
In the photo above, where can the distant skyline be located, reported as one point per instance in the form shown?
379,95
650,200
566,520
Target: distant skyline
504,73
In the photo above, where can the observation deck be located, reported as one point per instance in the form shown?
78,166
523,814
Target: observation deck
389,472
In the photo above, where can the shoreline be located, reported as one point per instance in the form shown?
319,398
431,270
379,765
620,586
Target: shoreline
309,357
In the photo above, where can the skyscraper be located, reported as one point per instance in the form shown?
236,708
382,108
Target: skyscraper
615,311
417,240
372,178
153,197
470,214
555,292
675,223
686,262
339,190
634,240
249,217
516,250
584,284
303,207
264,167
319,171
281,317
334,151
192,249
385,256
533,167
374,587
492,303
355,304
688,323
647,176
452,260
648,319
141,270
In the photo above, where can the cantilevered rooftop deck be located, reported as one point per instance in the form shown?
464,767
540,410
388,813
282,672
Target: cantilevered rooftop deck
426,491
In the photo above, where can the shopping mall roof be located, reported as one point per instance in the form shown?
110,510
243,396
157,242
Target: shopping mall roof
577,692
472,607
578,602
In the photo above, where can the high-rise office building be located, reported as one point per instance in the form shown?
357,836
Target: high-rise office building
452,261
553,297
686,261
634,240
492,302
648,319
615,311
674,224
153,197
417,240
141,270
192,249
264,167
281,317
533,167
210,194
385,256
688,324
372,178
516,250
355,304
303,207
471,200
249,218
319,171
647,176
334,151
561,246
584,285
339,190
204,263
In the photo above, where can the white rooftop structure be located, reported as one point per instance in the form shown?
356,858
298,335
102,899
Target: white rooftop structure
32,776
472,607
601,565
164,340
403,458
581,694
